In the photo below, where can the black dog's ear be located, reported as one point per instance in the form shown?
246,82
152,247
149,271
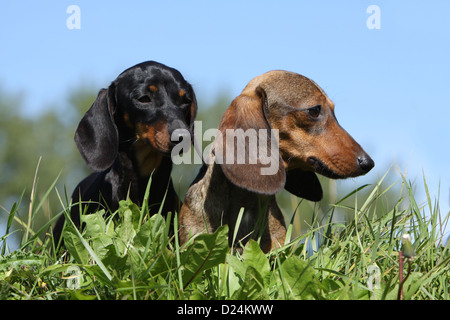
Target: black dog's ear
192,112
303,184
97,137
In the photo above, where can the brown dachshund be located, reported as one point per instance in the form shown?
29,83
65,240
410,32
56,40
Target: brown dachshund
306,139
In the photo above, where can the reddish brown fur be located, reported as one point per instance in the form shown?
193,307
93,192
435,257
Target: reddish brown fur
275,100
157,135
152,142
126,119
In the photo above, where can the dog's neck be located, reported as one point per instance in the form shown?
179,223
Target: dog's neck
147,159
143,159
222,203
212,200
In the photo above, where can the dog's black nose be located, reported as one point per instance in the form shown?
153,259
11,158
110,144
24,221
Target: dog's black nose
365,163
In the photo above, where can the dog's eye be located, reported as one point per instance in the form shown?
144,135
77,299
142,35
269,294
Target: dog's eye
314,111
144,99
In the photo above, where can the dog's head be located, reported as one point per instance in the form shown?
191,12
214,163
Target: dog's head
146,102
308,138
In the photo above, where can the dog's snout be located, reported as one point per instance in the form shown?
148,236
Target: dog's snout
365,163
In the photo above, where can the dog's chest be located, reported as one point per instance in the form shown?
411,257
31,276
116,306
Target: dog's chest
223,200
146,157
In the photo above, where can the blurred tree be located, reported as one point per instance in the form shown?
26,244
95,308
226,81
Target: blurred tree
47,136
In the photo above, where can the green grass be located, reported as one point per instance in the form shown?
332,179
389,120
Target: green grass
132,255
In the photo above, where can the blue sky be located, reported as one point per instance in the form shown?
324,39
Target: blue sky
391,86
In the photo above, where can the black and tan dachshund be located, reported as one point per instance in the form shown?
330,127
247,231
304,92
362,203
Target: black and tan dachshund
310,140
127,136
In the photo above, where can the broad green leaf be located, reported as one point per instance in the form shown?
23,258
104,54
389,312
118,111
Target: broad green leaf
19,259
299,277
125,205
160,264
100,244
207,251
130,219
143,237
80,295
158,232
252,287
114,259
237,265
236,273
95,224
151,237
74,245
254,257
77,243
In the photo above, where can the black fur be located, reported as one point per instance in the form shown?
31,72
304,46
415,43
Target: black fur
146,100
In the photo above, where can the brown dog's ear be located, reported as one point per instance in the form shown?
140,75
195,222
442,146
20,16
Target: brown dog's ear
303,184
245,147
97,137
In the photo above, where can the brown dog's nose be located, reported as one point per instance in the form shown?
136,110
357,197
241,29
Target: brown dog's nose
365,163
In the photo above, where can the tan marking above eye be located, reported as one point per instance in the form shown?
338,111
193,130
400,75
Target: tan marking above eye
153,88
181,93
126,118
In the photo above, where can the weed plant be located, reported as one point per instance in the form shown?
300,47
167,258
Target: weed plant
131,254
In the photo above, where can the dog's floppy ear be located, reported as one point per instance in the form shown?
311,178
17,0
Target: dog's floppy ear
303,184
245,147
96,136
192,112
